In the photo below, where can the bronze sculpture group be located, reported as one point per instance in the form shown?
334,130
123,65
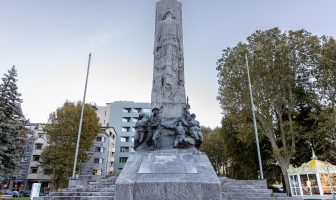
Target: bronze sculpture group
186,130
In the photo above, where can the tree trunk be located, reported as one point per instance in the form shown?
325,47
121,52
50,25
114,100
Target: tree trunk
284,166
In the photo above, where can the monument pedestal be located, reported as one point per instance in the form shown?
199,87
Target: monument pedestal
169,175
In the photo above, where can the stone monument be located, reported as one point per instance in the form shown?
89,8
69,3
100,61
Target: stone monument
167,164
168,75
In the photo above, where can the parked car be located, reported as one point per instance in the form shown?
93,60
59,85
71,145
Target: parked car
42,194
26,193
7,192
15,194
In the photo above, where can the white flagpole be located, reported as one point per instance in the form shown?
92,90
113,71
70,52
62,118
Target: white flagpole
81,119
254,120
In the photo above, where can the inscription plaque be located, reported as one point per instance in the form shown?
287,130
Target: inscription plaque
168,164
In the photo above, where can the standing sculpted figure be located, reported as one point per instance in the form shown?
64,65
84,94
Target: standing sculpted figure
186,117
141,130
154,128
195,130
180,134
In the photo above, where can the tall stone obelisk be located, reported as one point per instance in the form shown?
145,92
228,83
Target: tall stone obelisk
166,164
168,89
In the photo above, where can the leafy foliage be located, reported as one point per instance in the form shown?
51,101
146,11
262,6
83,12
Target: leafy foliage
325,74
11,122
62,129
292,74
213,146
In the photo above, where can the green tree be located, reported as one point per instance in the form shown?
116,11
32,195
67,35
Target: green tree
281,64
239,143
62,129
325,74
213,147
11,122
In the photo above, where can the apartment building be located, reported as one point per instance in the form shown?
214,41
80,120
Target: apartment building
122,116
101,161
35,173
101,154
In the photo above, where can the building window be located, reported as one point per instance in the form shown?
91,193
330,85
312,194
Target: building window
132,129
325,182
146,110
127,110
112,154
123,159
38,146
126,119
100,139
33,170
36,157
124,149
137,110
99,149
96,172
41,135
124,139
132,149
135,119
132,139
125,129
97,160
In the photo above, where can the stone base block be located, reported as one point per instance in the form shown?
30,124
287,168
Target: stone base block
169,175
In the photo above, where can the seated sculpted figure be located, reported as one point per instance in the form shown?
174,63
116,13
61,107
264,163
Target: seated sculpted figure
141,130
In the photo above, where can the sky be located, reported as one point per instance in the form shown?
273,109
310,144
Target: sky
49,42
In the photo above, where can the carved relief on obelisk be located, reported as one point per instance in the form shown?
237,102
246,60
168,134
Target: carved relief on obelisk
168,90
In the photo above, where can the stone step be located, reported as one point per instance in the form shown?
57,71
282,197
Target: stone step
287,198
110,179
246,194
242,186
101,188
81,194
103,181
231,183
100,183
247,190
89,189
74,198
237,197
